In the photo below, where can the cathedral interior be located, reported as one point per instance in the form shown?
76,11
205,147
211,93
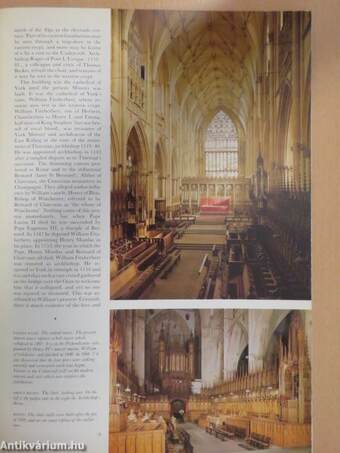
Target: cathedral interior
210,155
211,380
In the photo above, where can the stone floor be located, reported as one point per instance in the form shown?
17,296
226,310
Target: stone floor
206,443
204,233
183,282
215,227
201,239
210,218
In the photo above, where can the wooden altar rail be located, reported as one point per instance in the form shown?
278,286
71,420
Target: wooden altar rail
253,381
137,442
286,435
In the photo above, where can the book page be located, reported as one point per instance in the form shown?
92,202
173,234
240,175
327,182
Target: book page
55,116
209,214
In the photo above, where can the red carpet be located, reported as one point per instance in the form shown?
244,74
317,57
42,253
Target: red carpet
214,205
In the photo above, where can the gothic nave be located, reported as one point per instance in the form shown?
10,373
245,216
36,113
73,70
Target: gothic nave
219,381
210,164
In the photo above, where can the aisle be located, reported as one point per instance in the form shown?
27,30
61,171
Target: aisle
206,443
208,230
183,282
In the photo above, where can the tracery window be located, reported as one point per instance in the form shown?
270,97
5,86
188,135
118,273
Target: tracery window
221,147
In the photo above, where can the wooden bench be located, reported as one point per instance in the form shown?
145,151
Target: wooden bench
160,264
170,265
229,430
258,440
144,259
123,279
137,286
232,431
220,433
240,432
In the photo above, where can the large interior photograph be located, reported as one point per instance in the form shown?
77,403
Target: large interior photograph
210,158
210,381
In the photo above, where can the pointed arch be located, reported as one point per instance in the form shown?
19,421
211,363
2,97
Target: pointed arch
138,143
137,153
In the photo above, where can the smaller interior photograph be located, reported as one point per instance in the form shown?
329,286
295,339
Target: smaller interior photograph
210,381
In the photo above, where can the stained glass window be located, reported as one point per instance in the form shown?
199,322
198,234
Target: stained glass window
221,147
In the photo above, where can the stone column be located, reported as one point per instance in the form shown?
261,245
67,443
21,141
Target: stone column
273,70
159,187
115,62
242,158
230,353
149,188
113,372
127,351
296,98
151,90
112,181
139,346
308,170
258,321
123,104
115,349
212,323
164,187
302,384
275,82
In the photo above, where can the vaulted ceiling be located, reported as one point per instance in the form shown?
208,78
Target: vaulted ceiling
210,58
